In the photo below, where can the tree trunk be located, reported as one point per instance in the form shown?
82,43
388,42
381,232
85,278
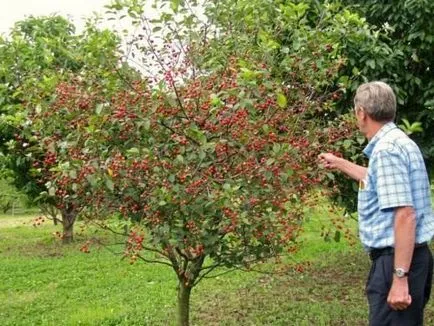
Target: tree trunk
183,304
187,269
68,232
68,218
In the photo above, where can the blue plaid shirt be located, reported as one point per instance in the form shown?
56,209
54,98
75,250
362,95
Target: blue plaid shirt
396,177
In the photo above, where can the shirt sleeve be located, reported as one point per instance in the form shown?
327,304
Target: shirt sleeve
393,179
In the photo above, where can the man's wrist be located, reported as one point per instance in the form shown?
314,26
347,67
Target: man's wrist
400,281
340,164
400,272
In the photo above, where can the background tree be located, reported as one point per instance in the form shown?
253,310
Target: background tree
10,198
407,28
39,53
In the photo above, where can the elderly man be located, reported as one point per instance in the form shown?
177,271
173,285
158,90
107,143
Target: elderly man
394,207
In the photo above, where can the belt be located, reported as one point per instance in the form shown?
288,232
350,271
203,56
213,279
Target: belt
374,253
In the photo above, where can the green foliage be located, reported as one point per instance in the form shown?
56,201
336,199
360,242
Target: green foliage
370,40
407,28
306,41
411,128
10,198
39,53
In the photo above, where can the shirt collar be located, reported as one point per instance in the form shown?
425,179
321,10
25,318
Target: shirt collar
374,140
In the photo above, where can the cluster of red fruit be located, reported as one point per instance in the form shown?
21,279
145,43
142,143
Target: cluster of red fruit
230,225
85,247
50,159
133,246
195,186
38,221
115,165
192,227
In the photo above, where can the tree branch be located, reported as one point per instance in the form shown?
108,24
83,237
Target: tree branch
161,122
204,275
154,261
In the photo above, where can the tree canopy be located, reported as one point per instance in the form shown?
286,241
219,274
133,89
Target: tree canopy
39,53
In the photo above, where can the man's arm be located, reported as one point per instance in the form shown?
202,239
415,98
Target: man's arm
353,170
405,237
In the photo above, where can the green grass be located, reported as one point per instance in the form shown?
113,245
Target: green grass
46,283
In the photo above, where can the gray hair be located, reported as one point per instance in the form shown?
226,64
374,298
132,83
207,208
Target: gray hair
378,101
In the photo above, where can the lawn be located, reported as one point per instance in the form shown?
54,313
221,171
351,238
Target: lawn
46,283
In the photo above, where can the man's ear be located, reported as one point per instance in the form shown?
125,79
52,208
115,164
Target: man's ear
362,112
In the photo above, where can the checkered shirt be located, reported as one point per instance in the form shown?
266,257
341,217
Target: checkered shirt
396,177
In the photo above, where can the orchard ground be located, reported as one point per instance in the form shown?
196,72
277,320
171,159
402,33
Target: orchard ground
47,283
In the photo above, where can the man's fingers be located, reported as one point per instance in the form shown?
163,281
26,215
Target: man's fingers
323,157
398,307
400,304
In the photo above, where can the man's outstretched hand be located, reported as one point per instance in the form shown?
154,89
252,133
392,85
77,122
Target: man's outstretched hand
329,160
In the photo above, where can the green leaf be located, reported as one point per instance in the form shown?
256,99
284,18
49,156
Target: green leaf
270,161
371,63
337,236
197,134
276,148
284,176
331,176
179,159
361,140
91,179
109,184
348,143
146,124
99,108
248,74
281,100
73,174
174,5
226,186
133,150
266,128
355,71
215,101
429,103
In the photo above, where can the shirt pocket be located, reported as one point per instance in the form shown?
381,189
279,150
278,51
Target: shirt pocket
366,197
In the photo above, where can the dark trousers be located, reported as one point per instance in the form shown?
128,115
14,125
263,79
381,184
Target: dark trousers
379,283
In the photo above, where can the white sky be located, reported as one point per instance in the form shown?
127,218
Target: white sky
15,10
12,11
